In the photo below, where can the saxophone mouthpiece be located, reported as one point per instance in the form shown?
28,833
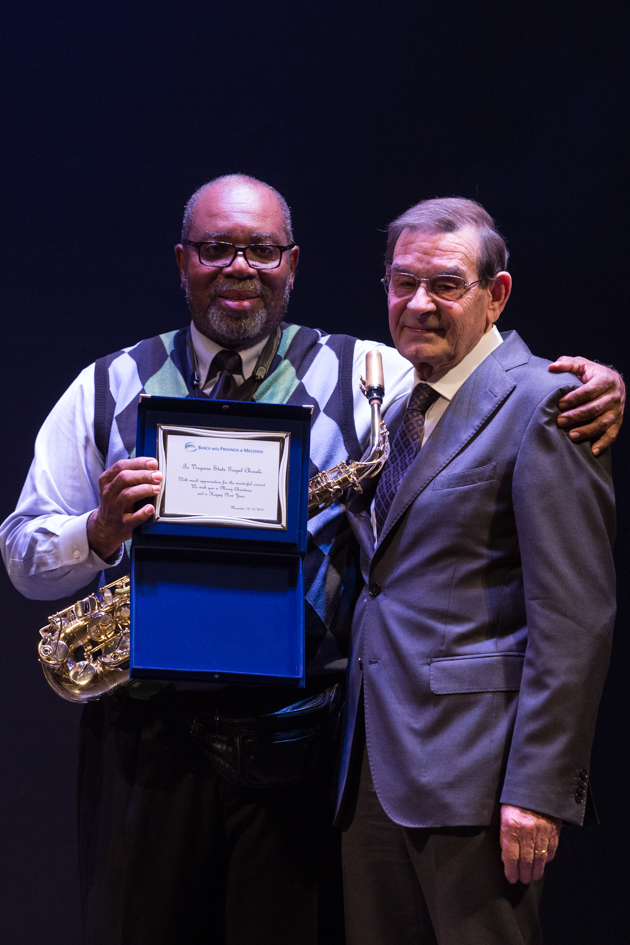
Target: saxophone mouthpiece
374,369
374,387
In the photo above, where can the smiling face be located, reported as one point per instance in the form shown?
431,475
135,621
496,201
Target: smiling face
432,333
236,306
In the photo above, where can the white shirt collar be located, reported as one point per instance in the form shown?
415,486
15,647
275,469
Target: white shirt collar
448,384
205,349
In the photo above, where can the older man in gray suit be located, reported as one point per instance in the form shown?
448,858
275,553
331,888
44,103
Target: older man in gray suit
481,639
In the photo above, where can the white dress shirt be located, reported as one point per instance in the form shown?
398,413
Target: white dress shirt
206,349
44,542
446,385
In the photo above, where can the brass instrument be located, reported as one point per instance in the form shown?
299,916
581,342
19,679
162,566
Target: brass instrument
84,650
329,485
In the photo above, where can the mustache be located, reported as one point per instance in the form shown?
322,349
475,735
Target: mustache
246,285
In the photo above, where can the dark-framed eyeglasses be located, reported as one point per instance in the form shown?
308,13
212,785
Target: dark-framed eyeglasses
257,255
404,285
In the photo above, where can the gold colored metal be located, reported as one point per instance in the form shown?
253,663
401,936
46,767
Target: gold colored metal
328,486
84,650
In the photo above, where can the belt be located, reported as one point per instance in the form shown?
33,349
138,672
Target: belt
302,715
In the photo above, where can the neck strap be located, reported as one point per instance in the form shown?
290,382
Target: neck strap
249,387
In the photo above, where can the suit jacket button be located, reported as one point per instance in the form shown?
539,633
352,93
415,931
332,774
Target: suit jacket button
375,589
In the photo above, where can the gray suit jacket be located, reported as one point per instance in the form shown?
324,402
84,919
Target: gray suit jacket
481,639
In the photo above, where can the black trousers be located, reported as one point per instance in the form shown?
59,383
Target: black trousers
412,886
171,853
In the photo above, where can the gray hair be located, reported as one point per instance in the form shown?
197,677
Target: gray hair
447,215
236,178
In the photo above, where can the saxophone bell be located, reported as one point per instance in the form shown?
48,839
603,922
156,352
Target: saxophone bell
84,650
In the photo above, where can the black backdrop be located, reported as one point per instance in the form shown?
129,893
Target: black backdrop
113,113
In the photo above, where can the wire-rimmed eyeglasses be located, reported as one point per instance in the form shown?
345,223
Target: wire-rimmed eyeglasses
404,285
257,255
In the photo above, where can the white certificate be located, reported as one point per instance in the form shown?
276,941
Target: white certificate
223,477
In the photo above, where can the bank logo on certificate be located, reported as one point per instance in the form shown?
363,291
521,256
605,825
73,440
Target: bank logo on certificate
223,477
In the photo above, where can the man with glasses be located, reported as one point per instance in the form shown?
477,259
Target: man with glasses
481,639
178,842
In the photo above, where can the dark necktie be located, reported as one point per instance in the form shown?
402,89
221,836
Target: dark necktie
226,364
403,452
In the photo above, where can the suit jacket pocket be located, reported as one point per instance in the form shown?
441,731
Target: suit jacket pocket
467,477
499,672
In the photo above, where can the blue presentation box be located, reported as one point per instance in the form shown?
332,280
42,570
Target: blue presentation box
217,587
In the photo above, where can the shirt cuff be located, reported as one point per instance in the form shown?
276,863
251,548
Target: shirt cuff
74,548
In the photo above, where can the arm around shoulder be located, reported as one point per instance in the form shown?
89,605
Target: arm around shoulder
595,410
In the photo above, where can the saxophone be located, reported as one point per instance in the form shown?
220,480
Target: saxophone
84,650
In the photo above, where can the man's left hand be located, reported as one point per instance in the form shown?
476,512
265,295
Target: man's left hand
595,410
529,841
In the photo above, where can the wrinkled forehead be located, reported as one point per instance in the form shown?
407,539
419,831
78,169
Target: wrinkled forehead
423,252
240,210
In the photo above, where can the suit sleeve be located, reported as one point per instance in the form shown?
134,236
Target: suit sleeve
564,510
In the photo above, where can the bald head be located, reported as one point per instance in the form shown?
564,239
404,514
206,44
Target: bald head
242,187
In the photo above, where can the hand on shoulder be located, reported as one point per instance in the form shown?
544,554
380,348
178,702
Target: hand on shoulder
595,410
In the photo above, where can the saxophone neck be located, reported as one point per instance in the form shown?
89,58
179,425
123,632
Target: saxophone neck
376,432
374,389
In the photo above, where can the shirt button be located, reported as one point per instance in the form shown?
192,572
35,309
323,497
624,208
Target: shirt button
77,553
374,590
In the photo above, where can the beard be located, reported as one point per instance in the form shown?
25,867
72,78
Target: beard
237,329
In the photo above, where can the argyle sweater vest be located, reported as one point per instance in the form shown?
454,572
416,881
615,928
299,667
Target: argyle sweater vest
310,367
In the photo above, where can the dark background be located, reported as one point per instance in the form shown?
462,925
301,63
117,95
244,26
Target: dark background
113,113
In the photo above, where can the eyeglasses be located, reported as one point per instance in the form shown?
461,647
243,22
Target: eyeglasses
403,285
258,255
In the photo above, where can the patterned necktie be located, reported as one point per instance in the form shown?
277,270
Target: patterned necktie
403,452
226,364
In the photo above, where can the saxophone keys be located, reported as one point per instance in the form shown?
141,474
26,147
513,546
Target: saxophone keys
118,656
62,651
82,673
83,608
54,653
100,627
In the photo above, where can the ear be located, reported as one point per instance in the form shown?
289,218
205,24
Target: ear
499,294
294,255
180,256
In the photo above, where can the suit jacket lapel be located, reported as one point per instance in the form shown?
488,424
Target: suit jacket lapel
475,402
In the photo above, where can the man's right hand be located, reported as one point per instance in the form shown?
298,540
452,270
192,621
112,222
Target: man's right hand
121,487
